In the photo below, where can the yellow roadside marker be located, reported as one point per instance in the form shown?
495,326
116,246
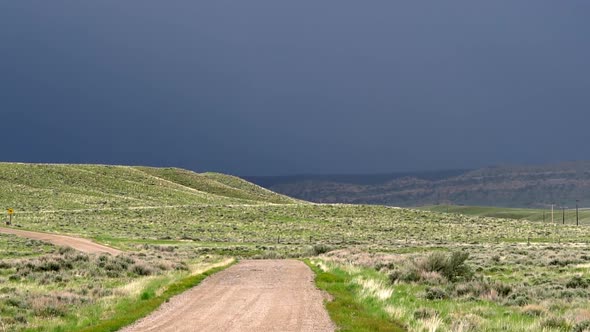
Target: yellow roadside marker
10,213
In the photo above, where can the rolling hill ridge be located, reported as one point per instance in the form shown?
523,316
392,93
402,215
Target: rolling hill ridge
32,187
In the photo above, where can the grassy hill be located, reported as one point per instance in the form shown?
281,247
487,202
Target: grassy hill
34,187
218,184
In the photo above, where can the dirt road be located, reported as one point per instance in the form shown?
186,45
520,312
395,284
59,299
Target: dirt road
63,240
269,295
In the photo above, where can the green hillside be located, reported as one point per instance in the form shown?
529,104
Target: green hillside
218,184
33,187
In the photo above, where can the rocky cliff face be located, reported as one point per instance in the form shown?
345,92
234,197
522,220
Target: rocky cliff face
510,186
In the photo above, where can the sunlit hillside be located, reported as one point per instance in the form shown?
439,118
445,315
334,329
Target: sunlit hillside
33,187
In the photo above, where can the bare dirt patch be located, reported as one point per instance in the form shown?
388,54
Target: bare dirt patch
79,244
265,295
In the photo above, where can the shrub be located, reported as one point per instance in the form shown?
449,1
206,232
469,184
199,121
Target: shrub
518,299
46,306
436,269
7,290
125,259
50,265
479,288
319,249
51,311
577,282
562,263
502,288
435,262
66,250
451,266
141,269
582,326
435,293
80,257
17,302
272,254
381,266
456,267
181,267
473,288
406,273
20,318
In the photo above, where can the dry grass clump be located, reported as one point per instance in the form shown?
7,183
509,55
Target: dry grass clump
431,324
374,288
533,310
361,258
580,315
465,322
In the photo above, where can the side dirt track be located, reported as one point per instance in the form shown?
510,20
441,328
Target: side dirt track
79,244
264,295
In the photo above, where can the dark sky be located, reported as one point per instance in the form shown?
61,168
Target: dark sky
264,87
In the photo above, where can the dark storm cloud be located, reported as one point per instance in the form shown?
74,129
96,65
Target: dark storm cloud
277,87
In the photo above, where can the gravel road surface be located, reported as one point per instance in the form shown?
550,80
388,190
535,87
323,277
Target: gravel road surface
63,240
261,295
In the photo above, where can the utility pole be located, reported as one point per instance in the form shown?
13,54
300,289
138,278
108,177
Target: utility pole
577,215
543,216
563,215
552,213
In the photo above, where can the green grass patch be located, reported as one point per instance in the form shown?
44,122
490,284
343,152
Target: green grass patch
347,310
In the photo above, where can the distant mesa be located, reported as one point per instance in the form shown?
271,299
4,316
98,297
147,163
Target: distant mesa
505,185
